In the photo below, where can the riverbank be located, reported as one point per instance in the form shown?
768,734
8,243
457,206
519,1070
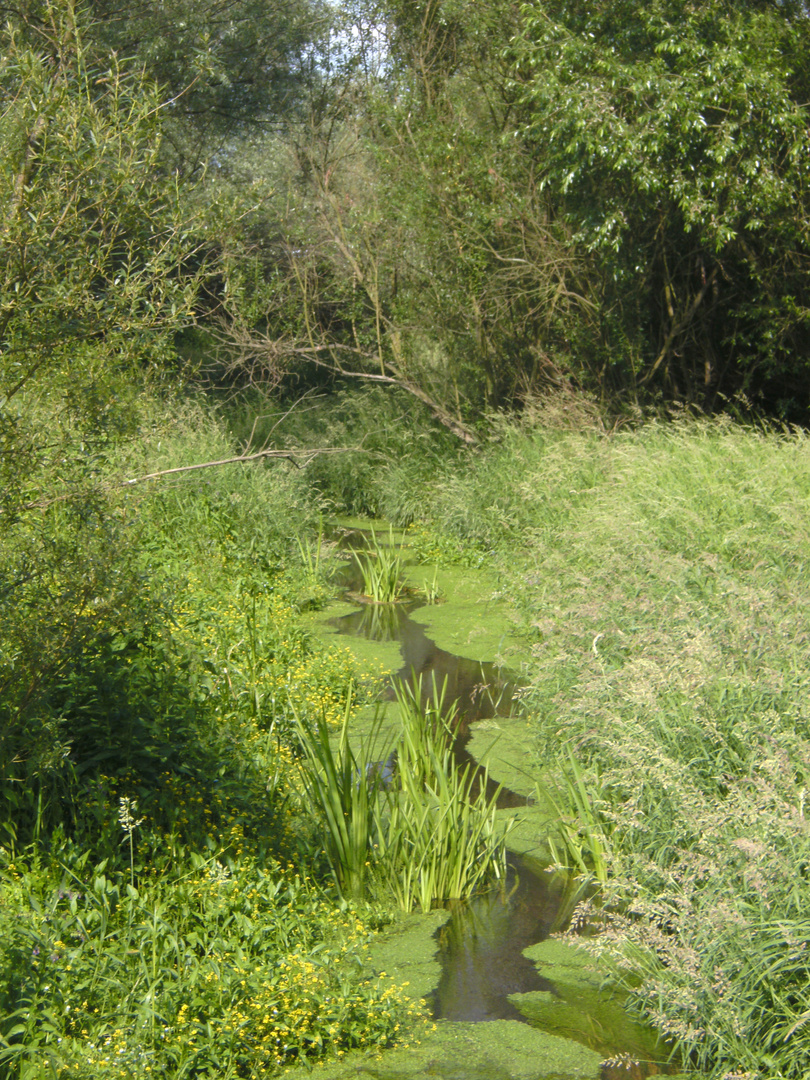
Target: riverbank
163,872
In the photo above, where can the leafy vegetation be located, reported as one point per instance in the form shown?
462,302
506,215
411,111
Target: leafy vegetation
413,824
400,218
381,567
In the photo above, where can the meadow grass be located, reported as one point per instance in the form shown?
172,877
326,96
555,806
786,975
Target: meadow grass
662,578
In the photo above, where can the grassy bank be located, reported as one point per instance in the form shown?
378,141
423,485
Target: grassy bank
661,575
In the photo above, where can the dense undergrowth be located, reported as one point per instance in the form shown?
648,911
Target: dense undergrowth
169,903
163,905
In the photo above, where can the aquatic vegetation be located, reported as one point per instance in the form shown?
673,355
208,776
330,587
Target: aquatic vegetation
381,568
341,790
439,838
427,835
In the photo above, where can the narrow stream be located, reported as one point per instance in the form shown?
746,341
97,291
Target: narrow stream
481,946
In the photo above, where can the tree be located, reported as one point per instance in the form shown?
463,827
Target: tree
673,138
231,70
99,268
411,243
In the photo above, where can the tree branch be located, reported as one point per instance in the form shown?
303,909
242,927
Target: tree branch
299,458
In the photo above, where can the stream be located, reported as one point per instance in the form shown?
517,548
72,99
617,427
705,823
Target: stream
482,945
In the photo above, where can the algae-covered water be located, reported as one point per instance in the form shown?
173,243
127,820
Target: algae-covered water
509,1002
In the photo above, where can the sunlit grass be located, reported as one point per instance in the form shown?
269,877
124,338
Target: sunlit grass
381,568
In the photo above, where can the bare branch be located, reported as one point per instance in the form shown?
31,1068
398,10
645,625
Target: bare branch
299,458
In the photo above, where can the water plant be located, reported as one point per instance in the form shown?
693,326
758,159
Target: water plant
381,566
430,588
440,838
340,788
430,835
584,846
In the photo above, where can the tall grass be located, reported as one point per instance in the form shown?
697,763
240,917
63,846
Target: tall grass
426,835
662,577
381,567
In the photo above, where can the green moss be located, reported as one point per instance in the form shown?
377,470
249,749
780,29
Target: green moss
473,622
408,950
583,1006
565,965
501,744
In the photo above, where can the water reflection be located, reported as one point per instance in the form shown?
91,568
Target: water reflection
482,945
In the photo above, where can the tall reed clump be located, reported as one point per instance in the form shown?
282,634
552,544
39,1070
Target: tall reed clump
381,567
438,833
426,833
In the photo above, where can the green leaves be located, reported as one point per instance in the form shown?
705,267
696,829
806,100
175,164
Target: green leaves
674,138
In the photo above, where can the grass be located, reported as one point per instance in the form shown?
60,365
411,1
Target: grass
662,578
381,567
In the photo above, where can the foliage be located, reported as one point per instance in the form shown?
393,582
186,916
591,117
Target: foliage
673,138
225,72
415,826
95,281
381,566
227,969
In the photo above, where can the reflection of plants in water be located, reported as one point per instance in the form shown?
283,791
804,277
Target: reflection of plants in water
379,622
381,569
432,836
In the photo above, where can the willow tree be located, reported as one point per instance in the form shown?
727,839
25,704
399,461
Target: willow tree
99,267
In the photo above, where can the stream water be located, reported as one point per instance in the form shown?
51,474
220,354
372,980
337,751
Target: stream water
482,944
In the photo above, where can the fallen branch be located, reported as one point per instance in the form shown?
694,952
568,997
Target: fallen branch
299,458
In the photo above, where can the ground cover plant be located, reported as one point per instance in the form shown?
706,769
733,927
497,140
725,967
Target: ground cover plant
157,910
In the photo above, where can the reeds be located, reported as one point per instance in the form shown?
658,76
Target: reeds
381,567
430,836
